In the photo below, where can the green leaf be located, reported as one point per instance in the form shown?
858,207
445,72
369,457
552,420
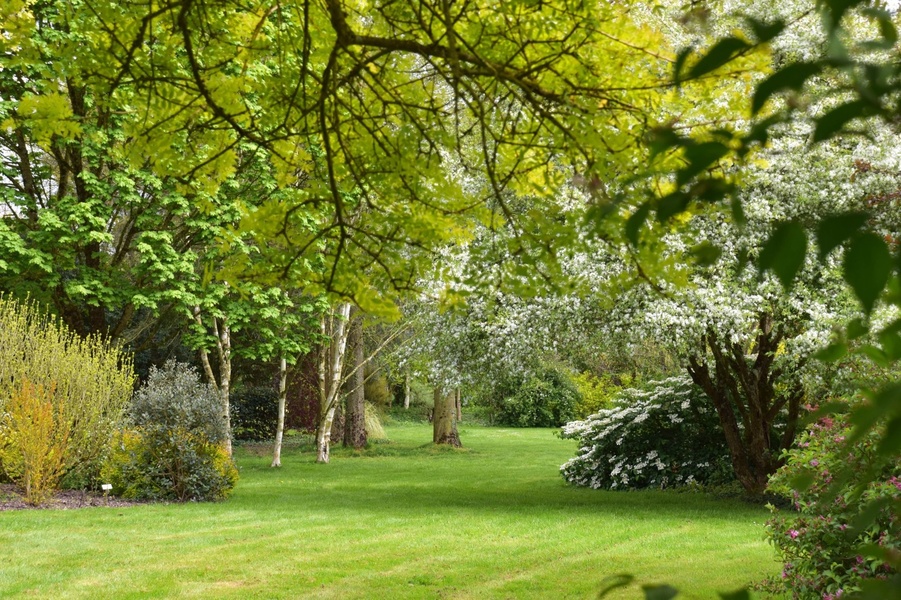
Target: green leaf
706,253
700,157
671,205
874,354
835,120
764,31
784,252
792,77
636,221
613,583
832,352
742,594
659,592
891,344
661,139
722,52
890,444
886,29
738,211
835,229
802,481
867,267
679,63
856,329
838,8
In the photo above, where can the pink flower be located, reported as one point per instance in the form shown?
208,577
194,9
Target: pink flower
814,463
793,533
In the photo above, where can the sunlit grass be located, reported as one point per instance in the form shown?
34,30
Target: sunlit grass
401,520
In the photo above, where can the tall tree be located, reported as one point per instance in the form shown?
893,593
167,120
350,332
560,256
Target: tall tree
355,400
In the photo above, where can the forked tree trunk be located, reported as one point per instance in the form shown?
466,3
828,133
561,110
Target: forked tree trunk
222,333
444,422
743,391
331,365
355,402
282,396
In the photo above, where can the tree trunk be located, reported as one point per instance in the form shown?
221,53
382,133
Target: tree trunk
407,390
222,333
458,404
444,423
282,397
743,390
355,401
331,365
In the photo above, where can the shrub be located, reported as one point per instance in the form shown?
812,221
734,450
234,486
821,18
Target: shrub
34,441
661,436
822,551
91,383
254,413
174,449
547,399
598,393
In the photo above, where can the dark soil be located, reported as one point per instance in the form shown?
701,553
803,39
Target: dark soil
11,498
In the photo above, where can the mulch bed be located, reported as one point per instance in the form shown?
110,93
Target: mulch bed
11,498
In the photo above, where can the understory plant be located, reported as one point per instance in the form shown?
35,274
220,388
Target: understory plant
254,413
73,389
660,436
546,398
844,522
174,447
34,439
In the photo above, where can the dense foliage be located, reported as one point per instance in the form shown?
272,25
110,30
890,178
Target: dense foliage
86,382
663,435
254,413
174,448
831,541
544,399
34,436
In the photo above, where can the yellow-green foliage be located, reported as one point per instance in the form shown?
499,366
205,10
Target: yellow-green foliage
377,391
374,429
93,381
169,464
34,438
598,392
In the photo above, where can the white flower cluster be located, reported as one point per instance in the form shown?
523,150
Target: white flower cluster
660,436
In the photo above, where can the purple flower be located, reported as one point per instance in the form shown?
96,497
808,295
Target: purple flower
793,533
814,463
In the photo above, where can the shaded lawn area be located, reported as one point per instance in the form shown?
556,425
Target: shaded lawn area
401,520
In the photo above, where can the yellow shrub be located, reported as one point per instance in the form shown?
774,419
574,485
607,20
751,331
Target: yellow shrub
34,439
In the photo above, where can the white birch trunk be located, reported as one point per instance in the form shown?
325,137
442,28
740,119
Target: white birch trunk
407,390
282,397
331,365
223,348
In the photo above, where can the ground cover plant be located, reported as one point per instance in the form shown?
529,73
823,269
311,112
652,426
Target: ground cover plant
400,520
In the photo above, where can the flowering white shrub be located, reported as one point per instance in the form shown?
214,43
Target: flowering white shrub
662,436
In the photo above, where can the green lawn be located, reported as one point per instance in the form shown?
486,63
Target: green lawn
403,520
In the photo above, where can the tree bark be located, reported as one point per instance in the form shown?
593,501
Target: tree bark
444,423
458,404
407,390
282,397
223,349
355,400
331,365
743,390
